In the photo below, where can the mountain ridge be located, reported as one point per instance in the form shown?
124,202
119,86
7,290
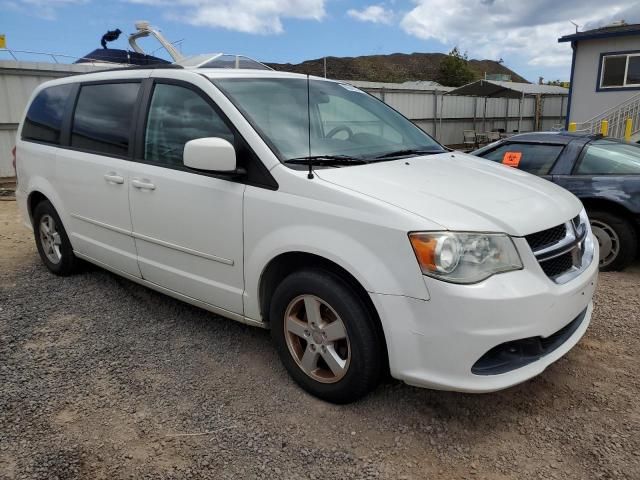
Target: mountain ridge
393,68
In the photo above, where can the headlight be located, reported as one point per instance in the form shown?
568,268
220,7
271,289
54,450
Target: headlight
464,257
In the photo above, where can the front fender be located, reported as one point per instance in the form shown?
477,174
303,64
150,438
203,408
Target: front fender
394,273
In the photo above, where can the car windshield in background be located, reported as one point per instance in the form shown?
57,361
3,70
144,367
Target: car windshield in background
345,122
608,157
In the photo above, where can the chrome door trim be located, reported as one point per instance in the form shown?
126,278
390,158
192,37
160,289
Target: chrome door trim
190,251
139,236
124,231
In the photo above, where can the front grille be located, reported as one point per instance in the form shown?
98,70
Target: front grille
557,265
547,237
561,250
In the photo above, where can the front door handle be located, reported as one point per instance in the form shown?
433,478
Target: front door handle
142,184
113,177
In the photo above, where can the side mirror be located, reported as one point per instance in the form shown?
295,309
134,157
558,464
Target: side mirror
210,154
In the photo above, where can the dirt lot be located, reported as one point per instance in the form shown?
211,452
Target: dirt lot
101,378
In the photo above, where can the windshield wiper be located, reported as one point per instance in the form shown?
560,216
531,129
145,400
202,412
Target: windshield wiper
326,160
407,151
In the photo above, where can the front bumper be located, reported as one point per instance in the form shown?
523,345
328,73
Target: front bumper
436,343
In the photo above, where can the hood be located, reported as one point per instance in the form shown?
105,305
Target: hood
462,192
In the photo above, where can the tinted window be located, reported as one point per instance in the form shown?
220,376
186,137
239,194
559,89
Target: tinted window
103,118
613,71
604,157
177,115
530,157
44,118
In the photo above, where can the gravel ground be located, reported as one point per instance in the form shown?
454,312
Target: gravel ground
101,378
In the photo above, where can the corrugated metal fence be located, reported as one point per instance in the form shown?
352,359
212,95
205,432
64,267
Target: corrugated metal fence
445,117
442,116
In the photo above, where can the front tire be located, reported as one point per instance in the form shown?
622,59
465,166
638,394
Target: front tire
325,336
52,241
617,239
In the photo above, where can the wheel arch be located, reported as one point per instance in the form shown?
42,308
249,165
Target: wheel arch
39,188
286,263
34,198
614,207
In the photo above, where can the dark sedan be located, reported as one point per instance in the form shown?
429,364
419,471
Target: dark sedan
602,172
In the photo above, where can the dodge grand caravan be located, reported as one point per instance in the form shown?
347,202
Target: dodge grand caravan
311,208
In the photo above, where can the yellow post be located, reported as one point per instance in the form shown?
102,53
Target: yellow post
572,126
604,128
628,126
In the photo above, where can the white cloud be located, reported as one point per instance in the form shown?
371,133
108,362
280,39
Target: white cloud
372,13
504,28
248,16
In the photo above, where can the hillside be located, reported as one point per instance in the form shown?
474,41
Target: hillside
397,67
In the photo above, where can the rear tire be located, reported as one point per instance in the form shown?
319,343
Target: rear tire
339,328
52,241
617,238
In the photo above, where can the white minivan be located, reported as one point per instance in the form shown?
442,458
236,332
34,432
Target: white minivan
314,209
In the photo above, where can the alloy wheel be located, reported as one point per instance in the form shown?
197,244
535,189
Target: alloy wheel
317,339
50,239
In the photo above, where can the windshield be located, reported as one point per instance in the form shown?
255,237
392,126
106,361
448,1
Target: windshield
345,121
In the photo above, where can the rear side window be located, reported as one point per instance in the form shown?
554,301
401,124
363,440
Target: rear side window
604,157
103,119
44,118
531,157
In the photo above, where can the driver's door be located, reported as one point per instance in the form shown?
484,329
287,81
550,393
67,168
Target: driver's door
187,225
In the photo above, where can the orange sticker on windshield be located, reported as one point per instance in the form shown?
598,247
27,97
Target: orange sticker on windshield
511,159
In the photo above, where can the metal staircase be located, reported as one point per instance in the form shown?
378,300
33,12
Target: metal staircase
617,117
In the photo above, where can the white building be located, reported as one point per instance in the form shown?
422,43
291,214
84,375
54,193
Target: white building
605,78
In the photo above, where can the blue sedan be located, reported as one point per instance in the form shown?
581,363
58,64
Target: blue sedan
604,173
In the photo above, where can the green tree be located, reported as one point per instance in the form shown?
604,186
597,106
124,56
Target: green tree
454,69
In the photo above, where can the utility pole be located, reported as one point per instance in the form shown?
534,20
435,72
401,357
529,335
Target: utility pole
325,67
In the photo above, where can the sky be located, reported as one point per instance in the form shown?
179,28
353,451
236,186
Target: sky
523,33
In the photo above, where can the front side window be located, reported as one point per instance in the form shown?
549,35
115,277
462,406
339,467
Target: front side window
177,115
607,157
534,158
321,118
620,71
44,118
103,119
